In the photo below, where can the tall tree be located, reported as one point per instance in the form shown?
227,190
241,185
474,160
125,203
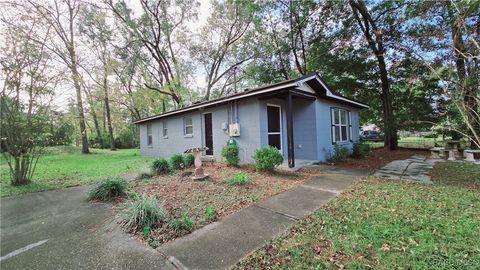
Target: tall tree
374,37
99,33
61,16
219,47
156,30
28,79
467,62
449,30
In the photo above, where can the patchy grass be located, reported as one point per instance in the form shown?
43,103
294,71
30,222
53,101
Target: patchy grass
200,201
383,224
457,174
413,142
64,167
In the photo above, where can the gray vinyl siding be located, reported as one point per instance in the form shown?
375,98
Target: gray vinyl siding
248,111
305,132
311,120
175,142
248,117
324,128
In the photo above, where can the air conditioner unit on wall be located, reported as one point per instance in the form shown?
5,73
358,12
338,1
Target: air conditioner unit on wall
234,130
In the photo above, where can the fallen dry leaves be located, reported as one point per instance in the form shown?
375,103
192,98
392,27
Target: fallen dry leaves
380,157
180,194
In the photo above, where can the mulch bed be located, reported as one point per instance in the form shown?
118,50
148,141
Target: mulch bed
380,157
180,194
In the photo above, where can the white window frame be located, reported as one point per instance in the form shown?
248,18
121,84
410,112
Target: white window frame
165,129
149,134
281,128
347,125
185,134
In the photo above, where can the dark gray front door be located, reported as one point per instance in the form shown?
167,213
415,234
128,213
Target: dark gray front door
208,133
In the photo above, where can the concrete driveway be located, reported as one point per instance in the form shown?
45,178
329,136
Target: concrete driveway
60,230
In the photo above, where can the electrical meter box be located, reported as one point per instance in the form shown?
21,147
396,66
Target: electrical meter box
234,130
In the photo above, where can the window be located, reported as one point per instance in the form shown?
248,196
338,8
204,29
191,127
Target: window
187,126
274,126
165,129
149,134
340,125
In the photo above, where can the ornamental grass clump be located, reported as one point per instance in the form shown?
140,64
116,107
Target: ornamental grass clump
141,212
108,189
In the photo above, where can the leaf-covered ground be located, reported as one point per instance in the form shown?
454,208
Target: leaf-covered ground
381,224
183,195
380,157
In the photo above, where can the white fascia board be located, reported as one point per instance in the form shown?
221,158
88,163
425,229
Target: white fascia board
331,94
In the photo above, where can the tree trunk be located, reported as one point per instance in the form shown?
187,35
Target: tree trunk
467,91
97,127
107,108
390,128
374,38
81,114
19,175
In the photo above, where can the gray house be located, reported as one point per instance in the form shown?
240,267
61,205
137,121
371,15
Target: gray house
303,118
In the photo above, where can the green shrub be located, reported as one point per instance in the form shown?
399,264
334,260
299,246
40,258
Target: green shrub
182,224
189,159
176,161
108,189
238,179
230,154
360,149
266,158
210,213
160,166
143,212
340,153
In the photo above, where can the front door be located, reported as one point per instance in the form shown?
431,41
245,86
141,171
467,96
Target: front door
208,133
274,113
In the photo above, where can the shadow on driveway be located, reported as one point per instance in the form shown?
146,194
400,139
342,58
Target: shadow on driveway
79,234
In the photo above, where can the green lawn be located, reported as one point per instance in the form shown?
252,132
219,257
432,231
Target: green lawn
63,167
413,142
383,224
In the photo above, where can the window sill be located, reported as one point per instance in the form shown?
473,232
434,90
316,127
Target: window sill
342,142
188,136
165,137
149,146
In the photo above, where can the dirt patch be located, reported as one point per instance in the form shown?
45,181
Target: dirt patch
380,157
180,194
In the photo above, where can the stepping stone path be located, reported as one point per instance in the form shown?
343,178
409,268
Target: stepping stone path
415,168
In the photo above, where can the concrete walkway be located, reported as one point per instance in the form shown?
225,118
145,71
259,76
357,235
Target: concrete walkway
221,244
59,229
415,168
